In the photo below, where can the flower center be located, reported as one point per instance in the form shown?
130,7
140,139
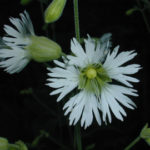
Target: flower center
93,78
91,73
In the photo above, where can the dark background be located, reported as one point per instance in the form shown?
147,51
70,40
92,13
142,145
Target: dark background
22,116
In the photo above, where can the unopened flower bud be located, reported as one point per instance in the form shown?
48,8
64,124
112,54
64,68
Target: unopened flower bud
43,49
4,143
54,10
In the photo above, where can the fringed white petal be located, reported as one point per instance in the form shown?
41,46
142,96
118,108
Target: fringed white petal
110,96
14,60
84,106
115,70
20,35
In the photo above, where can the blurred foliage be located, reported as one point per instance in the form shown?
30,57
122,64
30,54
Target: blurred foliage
131,11
90,147
44,1
145,134
25,2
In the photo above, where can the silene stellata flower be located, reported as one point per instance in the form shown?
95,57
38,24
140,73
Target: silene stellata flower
20,45
14,57
90,74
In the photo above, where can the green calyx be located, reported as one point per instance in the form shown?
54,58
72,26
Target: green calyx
145,134
43,49
93,78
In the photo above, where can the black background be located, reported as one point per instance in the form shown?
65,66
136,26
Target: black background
23,116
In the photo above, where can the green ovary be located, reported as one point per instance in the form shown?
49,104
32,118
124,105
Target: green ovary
93,78
91,73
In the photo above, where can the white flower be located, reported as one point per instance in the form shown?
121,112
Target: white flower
20,35
90,75
14,56
21,45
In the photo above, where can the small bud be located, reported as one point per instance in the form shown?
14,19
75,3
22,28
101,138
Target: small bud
4,143
54,10
43,49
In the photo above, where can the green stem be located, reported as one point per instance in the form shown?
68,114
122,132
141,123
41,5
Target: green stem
45,26
77,134
35,142
43,105
144,16
76,19
53,31
77,137
42,8
58,143
132,143
145,20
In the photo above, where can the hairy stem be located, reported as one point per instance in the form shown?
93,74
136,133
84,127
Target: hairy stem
76,19
77,134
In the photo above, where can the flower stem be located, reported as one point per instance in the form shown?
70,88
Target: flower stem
76,19
145,20
43,104
132,143
77,137
144,16
45,26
